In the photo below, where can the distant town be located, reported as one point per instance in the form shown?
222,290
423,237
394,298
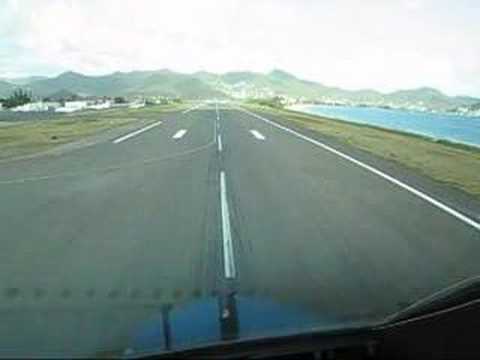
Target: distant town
74,103
71,92
243,90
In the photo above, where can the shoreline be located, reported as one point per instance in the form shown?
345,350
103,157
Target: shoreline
454,164
429,112
298,110
447,142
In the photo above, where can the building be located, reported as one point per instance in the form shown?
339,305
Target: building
99,105
136,104
32,107
71,106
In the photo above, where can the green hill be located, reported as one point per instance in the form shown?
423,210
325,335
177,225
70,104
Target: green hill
23,80
161,82
202,84
177,85
6,88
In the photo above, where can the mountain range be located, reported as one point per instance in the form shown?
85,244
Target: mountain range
246,84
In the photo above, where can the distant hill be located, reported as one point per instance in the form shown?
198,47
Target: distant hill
238,84
278,82
177,85
77,83
6,89
206,76
23,80
241,76
475,106
62,95
160,82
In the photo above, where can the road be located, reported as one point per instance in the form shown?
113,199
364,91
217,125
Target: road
205,202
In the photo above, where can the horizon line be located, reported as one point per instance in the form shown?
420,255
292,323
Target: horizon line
58,74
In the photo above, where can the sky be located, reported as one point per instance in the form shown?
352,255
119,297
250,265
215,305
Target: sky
380,44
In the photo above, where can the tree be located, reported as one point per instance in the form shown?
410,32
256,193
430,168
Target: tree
18,98
119,100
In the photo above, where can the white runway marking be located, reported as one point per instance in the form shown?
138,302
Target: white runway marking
220,146
179,134
257,135
375,171
136,132
228,259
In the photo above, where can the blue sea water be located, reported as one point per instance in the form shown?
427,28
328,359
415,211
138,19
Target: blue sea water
455,128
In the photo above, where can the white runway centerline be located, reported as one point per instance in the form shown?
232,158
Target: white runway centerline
179,134
257,135
136,132
412,190
228,259
220,146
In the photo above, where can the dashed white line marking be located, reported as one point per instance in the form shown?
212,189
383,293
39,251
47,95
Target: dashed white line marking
215,129
257,135
136,132
179,134
375,171
219,142
228,259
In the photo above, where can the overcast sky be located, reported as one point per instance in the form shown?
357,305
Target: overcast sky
380,44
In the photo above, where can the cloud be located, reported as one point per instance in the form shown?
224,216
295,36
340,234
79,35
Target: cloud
350,43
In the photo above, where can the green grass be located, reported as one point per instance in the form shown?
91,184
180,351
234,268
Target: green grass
455,164
29,137
146,113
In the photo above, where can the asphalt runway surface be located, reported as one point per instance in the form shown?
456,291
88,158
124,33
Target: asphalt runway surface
209,202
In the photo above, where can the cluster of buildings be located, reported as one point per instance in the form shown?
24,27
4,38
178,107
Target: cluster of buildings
92,103
76,105
245,90
336,101
63,106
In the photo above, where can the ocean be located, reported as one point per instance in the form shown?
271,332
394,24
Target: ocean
454,128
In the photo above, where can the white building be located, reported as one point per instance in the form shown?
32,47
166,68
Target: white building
52,105
34,106
101,105
71,106
136,104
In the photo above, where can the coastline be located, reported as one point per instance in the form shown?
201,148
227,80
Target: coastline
300,109
466,115
451,163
